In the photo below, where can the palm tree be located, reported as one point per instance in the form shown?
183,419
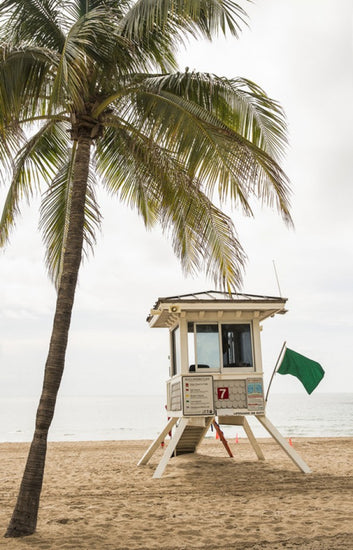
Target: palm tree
90,94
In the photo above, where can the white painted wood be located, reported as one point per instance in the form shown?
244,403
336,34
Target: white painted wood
252,439
231,316
171,448
199,421
184,359
156,443
177,414
257,346
171,374
293,455
208,421
204,305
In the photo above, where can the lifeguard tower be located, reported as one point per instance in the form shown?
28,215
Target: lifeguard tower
215,368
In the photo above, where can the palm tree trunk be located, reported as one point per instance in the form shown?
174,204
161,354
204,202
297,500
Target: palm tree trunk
24,518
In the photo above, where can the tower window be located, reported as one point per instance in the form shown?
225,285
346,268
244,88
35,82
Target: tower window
217,345
236,346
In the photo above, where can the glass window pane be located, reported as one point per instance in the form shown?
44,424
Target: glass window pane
207,346
236,346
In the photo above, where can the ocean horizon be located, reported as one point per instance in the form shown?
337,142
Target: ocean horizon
130,417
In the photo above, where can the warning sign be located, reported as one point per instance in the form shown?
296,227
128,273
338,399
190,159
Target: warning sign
255,395
198,396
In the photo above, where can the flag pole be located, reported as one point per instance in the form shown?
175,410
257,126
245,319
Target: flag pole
277,279
275,369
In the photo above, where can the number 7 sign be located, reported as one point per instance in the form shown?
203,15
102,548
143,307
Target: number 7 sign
223,393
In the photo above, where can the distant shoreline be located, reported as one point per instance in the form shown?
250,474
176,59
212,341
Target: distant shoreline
208,439
117,418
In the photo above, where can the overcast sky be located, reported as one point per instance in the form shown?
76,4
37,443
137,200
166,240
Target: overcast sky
300,52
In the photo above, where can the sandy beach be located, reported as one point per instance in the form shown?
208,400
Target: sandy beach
96,497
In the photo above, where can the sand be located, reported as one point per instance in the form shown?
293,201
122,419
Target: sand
96,497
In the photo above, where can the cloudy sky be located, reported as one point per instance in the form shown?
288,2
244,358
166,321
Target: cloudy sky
300,52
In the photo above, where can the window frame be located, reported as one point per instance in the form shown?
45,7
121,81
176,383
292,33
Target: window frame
175,336
221,369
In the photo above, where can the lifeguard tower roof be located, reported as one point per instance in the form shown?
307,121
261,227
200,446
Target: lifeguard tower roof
165,310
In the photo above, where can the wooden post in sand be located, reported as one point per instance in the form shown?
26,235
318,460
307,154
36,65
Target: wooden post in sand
157,442
293,455
241,421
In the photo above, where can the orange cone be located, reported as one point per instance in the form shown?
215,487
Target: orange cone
290,442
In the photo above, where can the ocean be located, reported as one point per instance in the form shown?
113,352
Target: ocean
93,418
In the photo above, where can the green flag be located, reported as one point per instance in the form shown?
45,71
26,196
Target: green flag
309,372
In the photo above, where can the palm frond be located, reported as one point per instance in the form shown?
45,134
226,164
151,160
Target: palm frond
196,17
32,20
151,180
129,170
35,163
10,137
25,75
172,142
204,238
93,57
159,27
70,80
238,103
211,150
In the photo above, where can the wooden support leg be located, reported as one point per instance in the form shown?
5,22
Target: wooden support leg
252,439
156,443
293,455
222,438
241,421
171,448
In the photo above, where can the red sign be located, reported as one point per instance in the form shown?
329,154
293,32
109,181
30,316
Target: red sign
223,393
